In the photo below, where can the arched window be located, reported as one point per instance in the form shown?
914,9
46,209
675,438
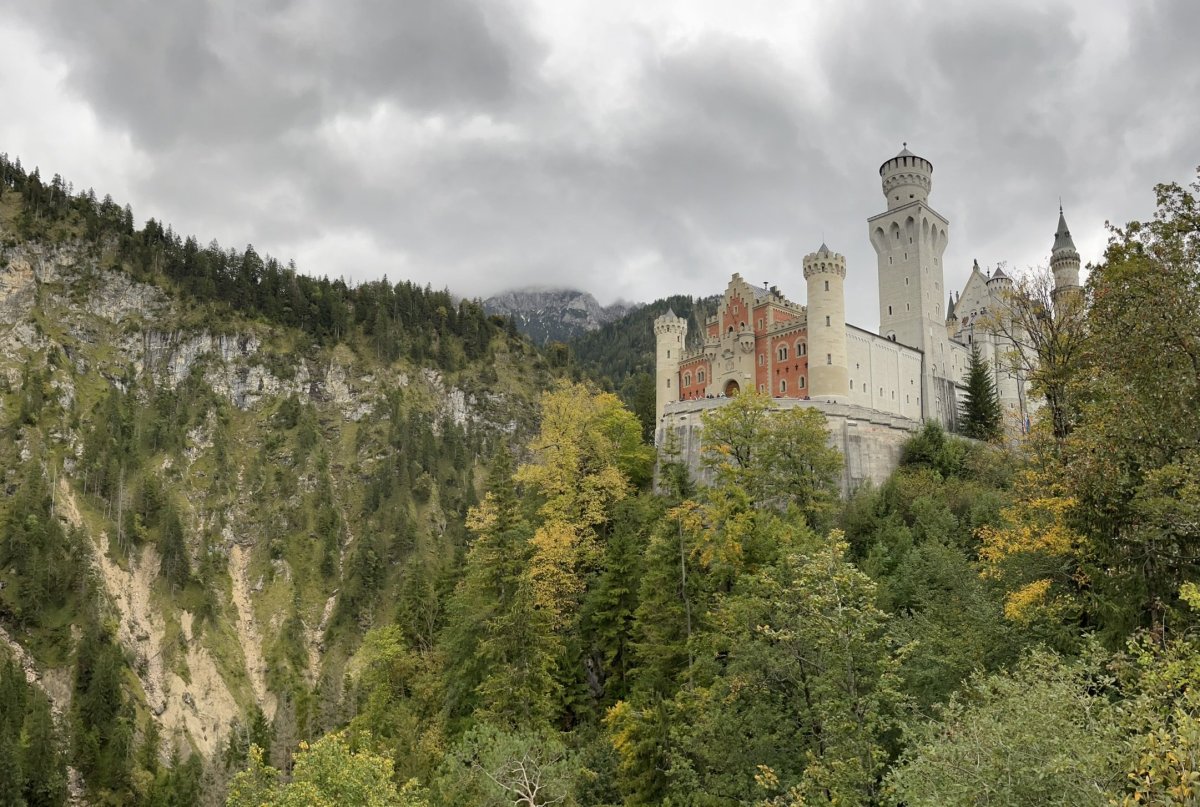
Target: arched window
783,352
826,285
783,385
801,349
687,379
700,376
801,382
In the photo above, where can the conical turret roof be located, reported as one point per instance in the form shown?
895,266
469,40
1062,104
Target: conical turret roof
824,250
1062,238
950,308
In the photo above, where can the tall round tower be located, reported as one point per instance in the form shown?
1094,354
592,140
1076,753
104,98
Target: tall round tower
1064,260
828,377
670,336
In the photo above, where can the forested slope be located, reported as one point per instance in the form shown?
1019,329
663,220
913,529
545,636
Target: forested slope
258,562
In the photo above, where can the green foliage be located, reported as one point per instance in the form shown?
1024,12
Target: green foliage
1044,733
493,767
329,773
32,763
779,458
981,414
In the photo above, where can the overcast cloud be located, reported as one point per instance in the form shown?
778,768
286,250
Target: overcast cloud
630,148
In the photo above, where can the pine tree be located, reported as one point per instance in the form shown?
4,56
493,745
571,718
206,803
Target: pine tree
981,415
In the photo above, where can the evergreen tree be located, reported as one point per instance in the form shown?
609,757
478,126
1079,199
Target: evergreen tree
981,414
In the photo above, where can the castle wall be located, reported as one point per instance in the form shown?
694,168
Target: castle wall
870,442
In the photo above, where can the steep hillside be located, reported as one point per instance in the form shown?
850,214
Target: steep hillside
219,474
554,315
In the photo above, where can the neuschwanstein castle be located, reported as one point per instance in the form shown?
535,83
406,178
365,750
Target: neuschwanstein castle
875,388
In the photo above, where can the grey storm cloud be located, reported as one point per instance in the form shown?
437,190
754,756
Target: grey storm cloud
456,142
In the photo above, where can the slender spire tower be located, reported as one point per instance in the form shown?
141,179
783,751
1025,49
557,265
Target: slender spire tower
828,374
1064,260
670,335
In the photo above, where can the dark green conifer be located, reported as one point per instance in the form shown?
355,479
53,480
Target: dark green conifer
981,414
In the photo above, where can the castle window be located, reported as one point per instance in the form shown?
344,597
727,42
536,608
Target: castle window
668,383
826,321
731,329
906,281
881,392
762,387
802,349
852,383
889,310
742,325
783,385
700,377
668,353
762,359
889,260
826,285
907,307
783,353
687,379
801,382
829,358
893,395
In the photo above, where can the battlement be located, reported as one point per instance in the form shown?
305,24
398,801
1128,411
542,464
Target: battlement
824,262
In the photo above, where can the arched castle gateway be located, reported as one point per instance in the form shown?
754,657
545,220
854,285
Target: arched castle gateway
875,388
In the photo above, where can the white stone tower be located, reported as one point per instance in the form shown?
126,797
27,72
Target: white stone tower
1064,260
828,377
670,336
909,240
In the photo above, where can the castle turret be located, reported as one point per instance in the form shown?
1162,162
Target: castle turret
1064,260
670,336
825,272
999,282
951,318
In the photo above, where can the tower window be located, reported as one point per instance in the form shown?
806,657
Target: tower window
668,383
762,359
906,281
826,321
668,353
829,358
889,310
852,383
826,285
783,353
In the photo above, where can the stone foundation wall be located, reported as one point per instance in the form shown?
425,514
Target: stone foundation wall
869,441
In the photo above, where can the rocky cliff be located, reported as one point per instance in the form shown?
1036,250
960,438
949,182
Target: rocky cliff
546,315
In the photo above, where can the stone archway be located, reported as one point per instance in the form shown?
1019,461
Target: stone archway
732,389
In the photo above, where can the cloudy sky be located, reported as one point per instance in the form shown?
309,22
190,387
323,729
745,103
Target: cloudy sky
632,148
